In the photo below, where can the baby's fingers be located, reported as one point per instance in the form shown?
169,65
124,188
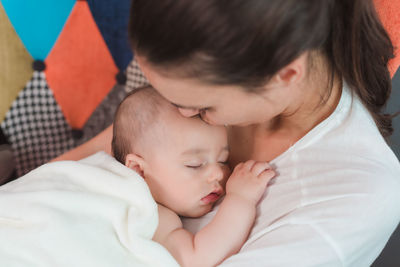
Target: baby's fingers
267,175
248,165
260,167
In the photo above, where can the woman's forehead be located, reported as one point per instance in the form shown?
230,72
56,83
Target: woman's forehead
173,86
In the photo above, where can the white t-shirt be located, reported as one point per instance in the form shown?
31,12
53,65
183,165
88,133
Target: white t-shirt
335,201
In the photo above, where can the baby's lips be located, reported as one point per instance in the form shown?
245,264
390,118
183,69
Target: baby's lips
210,198
220,191
213,196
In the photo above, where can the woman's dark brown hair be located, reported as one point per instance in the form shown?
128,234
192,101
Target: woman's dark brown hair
246,42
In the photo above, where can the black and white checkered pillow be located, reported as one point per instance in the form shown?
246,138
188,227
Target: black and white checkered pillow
35,126
103,116
135,77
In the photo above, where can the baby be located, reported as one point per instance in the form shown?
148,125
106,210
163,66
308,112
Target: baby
184,163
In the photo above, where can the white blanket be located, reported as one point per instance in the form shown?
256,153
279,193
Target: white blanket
94,212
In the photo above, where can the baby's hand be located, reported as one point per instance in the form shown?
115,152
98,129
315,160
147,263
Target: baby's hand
249,180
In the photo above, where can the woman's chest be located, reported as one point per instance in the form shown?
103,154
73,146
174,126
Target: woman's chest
245,145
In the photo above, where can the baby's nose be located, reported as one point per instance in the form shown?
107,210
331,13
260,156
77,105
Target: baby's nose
217,174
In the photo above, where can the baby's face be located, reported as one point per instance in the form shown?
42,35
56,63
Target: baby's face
186,170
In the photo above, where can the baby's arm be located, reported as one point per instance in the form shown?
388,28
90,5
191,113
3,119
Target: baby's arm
228,230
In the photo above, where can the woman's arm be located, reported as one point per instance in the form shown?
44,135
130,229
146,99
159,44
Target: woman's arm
101,142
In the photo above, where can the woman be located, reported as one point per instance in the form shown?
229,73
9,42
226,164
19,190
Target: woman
301,83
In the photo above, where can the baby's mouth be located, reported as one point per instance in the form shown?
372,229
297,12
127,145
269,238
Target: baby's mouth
213,196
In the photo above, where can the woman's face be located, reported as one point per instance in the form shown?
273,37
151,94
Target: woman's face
217,104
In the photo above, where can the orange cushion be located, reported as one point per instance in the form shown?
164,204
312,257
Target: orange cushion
389,12
80,69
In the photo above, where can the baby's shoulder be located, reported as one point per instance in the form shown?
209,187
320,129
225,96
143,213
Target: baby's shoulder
168,216
168,221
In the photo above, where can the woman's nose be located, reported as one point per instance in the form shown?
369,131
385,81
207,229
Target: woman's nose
216,174
189,112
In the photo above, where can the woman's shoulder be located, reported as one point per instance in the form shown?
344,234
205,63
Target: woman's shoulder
344,160
349,137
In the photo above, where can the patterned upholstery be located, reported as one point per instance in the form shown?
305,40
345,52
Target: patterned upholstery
36,126
82,68
60,85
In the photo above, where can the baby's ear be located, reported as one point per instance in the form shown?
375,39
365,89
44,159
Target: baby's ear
136,163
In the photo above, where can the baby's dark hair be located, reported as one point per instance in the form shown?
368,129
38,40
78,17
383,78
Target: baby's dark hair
138,112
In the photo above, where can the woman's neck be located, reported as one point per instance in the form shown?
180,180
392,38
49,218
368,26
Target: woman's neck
319,100
268,140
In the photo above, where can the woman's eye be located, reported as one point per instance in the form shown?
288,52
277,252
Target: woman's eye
223,162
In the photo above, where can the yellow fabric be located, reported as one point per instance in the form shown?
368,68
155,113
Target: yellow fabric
15,64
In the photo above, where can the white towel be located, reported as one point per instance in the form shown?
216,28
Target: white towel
94,212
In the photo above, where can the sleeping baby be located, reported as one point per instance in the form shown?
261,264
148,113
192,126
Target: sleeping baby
184,163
